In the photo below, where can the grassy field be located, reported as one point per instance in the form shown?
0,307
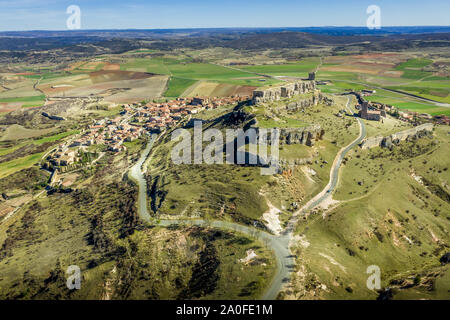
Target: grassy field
9,167
413,80
44,76
396,99
341,86
154,65
38,98
299,69
56,137
23,162
177,86
393,206
336,75
50,138
238,279
214,113
134,146
17,132
194,263
27,102
412,69
429,91
94,228
407,103
282,122
294,151
186,69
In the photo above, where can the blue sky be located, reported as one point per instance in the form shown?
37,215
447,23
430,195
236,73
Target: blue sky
153,14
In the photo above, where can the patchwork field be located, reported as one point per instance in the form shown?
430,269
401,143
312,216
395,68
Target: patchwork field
298,69
185,68
16,156
17,132
177,86
116,86
9,167
375,63
18,92
214,89
396,71
137,90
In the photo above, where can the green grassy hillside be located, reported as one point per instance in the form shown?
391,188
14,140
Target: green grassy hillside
393,212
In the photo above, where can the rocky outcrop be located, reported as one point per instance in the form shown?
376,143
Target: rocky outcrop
371,142
295,162
284,91
316,99
445,259
307,135
396,138
45,114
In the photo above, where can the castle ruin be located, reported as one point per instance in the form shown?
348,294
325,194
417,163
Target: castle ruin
284,91
395,138
367,114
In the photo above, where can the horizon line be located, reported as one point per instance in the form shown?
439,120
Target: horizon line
209,28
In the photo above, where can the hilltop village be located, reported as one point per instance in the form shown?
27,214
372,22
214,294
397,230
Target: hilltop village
138,119
134,121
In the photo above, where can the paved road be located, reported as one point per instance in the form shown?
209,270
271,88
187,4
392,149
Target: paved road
138,176
436,103
334,175
279,244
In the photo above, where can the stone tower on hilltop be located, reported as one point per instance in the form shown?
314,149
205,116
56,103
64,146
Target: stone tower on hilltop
283,91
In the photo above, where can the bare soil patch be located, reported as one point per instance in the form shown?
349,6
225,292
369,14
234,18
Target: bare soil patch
111,66
11,106
115,75
16,132
214,89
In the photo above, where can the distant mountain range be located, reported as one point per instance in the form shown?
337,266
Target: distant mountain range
83,42
168,33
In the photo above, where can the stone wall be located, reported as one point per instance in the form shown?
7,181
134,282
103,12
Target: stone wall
305,135
371,142
395,138
283,91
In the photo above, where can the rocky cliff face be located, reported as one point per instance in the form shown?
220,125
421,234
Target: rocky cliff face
395,138
284,91
309,102
307,135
